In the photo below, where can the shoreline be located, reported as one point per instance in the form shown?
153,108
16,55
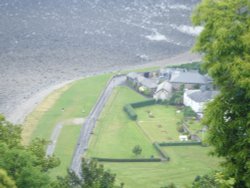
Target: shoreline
19,114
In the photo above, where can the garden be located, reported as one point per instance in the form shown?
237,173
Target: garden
116,137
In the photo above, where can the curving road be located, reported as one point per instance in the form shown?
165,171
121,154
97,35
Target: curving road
90,122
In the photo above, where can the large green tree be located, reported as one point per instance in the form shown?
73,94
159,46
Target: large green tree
225,43
27,166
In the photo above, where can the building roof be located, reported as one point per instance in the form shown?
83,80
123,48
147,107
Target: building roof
133,75
148,83
164,86
190,77
201,96
142,80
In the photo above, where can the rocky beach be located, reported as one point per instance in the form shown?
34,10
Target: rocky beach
46,44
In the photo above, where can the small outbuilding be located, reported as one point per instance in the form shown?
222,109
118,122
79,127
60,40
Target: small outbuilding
183,138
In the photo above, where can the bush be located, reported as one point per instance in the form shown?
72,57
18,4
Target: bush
180,128
177,98
137,150
188,112
130,111
143,103
186,143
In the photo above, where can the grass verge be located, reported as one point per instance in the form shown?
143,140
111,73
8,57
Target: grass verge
76,101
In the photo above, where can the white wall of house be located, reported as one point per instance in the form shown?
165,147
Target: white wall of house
196,106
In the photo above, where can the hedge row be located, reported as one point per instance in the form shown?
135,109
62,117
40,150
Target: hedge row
127,160
162,153
143,103
130,111
183,143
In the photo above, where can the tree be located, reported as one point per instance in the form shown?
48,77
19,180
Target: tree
37,147
188,112
177,97
93,176
5,180
9,133
213,180
137,150
26,165
225,43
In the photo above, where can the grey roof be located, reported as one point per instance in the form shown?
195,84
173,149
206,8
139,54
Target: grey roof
202,96
142,80
133,75
148,83
192,77
164,86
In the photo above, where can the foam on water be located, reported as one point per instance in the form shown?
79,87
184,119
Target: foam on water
190,30
179,6
156,36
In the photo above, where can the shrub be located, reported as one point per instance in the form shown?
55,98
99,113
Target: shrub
186,143
177,98
188,112
130,111
137,150
143,103
180,128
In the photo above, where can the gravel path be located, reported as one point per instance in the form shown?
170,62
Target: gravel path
89,124
56,133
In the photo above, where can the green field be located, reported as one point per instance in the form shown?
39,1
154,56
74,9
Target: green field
184,165
77,102
115,134
81,96
162,126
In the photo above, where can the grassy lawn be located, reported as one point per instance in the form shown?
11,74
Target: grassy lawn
162,126
115,134
185,164
77,101
65,148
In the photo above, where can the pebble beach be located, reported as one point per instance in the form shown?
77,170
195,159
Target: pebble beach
47,44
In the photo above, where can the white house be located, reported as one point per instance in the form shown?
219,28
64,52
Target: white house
197,99
164,91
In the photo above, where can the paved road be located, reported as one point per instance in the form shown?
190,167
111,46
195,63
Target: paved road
90,122
53,139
